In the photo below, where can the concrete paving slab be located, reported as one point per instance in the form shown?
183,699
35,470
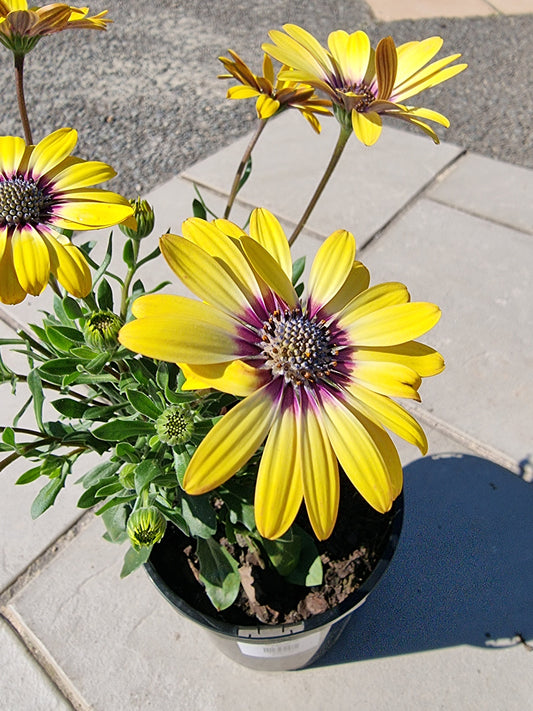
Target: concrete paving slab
417,9
466,530
488,188
369,187
513,7
21,539
479,273
23,684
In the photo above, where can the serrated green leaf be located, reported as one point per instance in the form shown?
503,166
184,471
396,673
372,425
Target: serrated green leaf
143,404
134,559
219,573
117,430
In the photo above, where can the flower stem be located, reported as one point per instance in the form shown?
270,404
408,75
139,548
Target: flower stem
19,81
337,152
127,281
242,166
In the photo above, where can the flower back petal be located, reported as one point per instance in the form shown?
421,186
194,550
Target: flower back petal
367,126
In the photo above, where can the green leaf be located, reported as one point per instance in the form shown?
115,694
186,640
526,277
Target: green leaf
29,476
145,473
117,430
8,436
101,471
115,522
245,175
46,497
198,210
219,573
199,515
175,398
181,461
116,501
127,452
97,363
105,296
298,269
36,388
299,289
128,254
105,262
63,338
143,404
72,308
175,516
109,490
283,553
90,497
162,375
70,408
134,559
58,366
309,570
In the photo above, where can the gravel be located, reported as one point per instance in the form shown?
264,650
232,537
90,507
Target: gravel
145,96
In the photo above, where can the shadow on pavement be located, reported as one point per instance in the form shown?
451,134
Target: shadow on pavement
463,571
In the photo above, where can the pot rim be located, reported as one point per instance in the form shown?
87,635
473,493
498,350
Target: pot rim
261,631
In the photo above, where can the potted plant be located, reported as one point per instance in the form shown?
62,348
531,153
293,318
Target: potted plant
242,436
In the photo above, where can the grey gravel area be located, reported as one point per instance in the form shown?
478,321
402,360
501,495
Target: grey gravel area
145,97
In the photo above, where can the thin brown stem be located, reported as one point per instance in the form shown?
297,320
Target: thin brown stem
337,152
242,165
19,81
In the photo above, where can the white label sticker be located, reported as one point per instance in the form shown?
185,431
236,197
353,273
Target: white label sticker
286,648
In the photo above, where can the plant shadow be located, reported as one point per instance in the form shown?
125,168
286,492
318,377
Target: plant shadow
463,570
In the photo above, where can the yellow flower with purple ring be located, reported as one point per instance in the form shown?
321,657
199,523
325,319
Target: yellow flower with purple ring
317,375
43,190
365,84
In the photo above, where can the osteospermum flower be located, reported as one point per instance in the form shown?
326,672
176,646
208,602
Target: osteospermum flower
364,84
43,189
21,27
273,94
317,375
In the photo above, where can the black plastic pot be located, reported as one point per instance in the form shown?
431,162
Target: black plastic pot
284,647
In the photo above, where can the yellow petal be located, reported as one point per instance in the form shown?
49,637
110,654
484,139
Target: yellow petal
430,76
266,106
320,473
203,275
52,150
366,126
268,69
12,151
31,260
279,487
266,229
331,267
196,333
309,43
386,66
372,299
231,443
388,413
288,51
425,360
351,52
357,281
394,324
355,442
78,215
241,92
391,379
83,174
269,270
69,265
228,228
236,377
428,114
11,291
414,55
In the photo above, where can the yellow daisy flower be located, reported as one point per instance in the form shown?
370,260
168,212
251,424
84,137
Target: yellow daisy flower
364,84
21,27
316,375
43,188
273,94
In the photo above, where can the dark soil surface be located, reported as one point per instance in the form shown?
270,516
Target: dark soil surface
348,557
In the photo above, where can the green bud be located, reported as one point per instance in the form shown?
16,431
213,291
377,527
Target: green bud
101,330
144,214
126,476
175,425
146,526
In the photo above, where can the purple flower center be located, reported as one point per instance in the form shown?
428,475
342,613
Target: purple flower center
23,202
297,347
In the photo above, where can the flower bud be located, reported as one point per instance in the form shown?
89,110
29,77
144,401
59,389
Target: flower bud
101,330
144,215
146,526
175,425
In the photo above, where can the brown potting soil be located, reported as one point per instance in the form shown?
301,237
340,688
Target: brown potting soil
348,557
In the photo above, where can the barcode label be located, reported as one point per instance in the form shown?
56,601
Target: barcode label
286,648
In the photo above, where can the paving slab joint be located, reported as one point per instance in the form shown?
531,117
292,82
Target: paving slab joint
44,559
45,660
415,197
